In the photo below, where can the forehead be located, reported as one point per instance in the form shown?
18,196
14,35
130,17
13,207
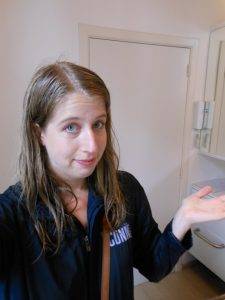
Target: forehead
79,105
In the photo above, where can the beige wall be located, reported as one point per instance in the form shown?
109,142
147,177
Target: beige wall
36,32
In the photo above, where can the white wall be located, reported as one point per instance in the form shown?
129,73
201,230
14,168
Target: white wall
37,32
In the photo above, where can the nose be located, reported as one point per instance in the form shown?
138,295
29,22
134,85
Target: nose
89,141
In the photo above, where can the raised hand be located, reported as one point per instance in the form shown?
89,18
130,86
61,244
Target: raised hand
195,209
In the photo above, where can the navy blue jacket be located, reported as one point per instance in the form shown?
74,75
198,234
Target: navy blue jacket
75,272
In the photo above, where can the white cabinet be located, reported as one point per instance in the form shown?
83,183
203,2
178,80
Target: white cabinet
209,237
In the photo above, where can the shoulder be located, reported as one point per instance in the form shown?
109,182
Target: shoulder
132,189
12,195
136,198
129,182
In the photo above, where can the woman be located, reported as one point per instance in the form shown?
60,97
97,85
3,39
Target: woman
70,191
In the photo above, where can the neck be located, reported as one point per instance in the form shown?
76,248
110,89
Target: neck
79,189
79,185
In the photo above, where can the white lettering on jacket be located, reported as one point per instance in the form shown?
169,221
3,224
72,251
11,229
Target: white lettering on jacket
120,235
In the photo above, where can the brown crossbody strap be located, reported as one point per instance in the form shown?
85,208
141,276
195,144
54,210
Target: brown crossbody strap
105,261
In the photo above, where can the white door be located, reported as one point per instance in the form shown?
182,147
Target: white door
148,86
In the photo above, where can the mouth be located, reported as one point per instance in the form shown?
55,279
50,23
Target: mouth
86,162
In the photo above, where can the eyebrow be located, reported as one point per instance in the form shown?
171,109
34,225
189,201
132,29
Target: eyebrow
77,118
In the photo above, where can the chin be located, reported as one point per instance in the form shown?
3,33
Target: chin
85,174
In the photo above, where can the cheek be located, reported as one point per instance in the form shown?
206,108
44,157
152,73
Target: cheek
66,148
58,148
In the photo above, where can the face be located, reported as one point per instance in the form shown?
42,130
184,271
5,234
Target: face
75,137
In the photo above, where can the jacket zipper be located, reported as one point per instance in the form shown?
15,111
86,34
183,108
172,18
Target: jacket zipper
87,243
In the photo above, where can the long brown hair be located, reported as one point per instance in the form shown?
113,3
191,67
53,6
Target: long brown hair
48,87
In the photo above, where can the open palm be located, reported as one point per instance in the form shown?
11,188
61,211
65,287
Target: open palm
200,209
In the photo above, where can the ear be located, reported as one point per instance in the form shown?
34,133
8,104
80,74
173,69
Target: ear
39,133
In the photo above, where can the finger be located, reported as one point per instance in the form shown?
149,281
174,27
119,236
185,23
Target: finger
204,191
222,198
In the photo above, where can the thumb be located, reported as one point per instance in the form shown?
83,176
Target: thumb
204,191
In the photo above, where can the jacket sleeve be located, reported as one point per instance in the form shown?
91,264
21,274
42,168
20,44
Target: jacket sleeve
155,253
7,235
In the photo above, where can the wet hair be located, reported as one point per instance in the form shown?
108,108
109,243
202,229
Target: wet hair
48,87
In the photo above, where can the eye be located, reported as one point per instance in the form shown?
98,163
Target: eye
72,128
99,124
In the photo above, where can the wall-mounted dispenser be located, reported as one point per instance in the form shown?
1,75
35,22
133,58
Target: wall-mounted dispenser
202,123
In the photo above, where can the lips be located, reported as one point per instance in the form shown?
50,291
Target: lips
85,162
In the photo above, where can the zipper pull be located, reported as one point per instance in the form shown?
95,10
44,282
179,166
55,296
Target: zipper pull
87,243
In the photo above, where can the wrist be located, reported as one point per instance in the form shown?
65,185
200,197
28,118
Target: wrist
180,224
